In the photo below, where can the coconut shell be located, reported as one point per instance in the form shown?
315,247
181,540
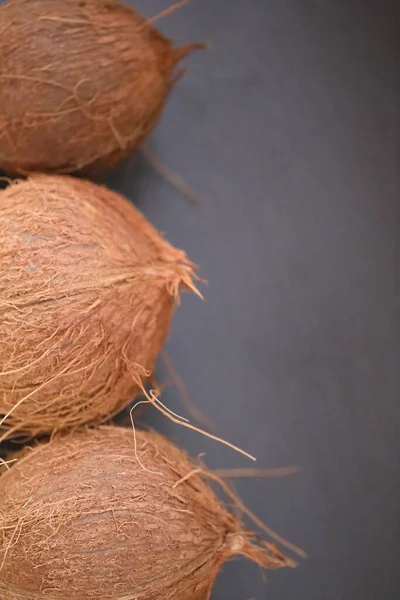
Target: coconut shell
87,291
93,515
82,83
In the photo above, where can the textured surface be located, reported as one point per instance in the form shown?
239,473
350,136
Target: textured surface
88,288
116,516
82,82
288,130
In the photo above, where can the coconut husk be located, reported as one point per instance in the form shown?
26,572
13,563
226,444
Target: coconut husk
104,514
87,291
82,83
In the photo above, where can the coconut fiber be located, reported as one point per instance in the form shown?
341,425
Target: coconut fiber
87,291
103,514
82,83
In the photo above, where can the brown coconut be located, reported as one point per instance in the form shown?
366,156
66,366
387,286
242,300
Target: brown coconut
101,514
87,291
82,83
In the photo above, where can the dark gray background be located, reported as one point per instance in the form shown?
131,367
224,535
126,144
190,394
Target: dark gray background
288,130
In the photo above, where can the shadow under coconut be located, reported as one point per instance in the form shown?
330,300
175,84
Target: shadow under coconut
4,180
130,178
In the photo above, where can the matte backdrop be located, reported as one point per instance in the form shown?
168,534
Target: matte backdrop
289,131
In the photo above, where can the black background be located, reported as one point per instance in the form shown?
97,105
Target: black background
288,129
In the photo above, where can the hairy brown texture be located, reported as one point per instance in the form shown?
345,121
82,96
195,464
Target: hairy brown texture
87,291
94,515
82,83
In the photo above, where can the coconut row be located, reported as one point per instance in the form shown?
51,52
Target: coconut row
88,288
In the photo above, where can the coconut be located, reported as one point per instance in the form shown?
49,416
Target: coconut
82,83
87,291
104,514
